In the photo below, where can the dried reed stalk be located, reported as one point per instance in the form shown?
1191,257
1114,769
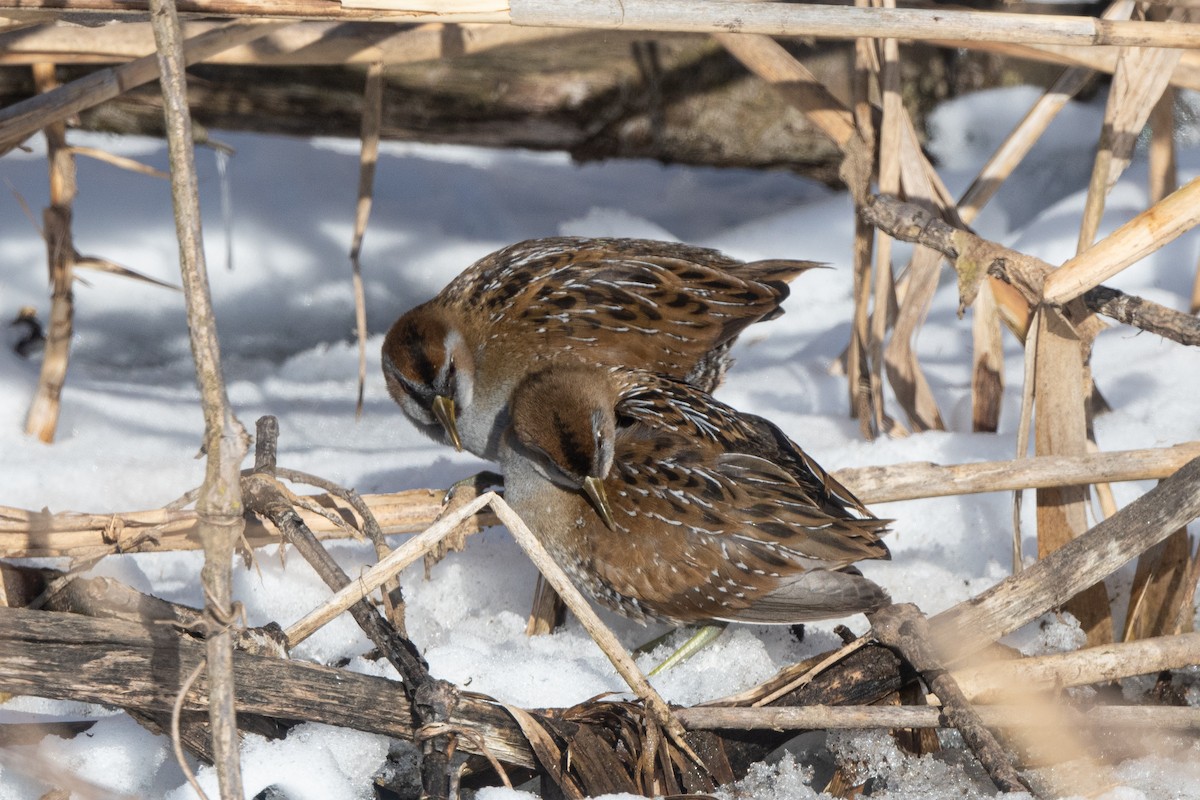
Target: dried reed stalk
417,11
798,19
1159,586
860,378
1060,428
885,311
38,534
219,505
842,22
1141,76
1029,130
987,362
308,43
798,718
904,371
42,418
21,119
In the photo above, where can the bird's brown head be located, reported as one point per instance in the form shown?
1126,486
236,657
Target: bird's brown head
563,416
430,371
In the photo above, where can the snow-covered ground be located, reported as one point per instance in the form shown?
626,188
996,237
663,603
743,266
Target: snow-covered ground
131,422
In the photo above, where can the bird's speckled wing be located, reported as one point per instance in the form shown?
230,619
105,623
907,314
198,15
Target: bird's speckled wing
656,305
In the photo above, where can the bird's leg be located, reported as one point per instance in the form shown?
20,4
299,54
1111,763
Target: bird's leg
458,495
703,637
471,487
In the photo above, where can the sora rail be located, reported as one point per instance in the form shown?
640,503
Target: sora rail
664,503
674,309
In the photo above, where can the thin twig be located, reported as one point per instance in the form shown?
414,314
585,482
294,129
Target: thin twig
1027,274
176,739
219,506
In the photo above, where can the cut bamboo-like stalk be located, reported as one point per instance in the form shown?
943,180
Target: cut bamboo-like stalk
1154,228
785,19
1141,77
1103,664
767,59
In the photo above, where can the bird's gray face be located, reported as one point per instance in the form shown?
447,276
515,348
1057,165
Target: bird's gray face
429,372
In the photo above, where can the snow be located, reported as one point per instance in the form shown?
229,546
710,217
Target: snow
131,423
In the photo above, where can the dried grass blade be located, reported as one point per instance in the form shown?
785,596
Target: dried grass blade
120,162
548,753
113,268
372,122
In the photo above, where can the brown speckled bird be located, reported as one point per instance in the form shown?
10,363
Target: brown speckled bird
674,309
664,503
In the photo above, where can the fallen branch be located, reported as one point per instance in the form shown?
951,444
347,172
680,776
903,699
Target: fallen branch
140,666
132,665
974,257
